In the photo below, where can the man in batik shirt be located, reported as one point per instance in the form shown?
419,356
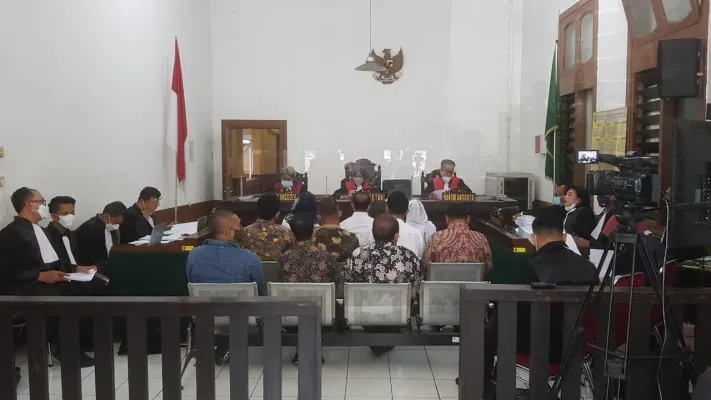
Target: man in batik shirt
305,262
330,236
266,238
458,243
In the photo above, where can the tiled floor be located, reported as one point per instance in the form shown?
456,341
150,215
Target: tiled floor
349,374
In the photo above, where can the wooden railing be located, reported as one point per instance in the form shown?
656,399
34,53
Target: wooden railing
68,310
694,304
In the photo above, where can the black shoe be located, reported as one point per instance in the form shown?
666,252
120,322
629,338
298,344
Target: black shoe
85,360
18,376
380,350
457,381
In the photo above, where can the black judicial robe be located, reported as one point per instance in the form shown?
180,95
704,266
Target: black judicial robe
56,233
91,243
134,226
21,260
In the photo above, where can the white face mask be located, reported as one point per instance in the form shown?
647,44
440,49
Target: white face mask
570,208
287,184
446,179
43,211
112,227
67,220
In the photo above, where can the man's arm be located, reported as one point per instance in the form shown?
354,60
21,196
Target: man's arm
12,265
430,250
429,188
463,186
128,229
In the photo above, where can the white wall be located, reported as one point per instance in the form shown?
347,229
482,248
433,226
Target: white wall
280,59
611,55
84,93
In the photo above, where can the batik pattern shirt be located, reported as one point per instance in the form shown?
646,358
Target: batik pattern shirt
459,244
306,263
383,263
266,239
336,240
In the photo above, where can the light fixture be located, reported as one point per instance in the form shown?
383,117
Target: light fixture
370,65
246,141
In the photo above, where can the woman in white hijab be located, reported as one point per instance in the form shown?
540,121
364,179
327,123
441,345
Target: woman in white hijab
417,217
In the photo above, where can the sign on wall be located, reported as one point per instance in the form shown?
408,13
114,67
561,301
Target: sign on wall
609,134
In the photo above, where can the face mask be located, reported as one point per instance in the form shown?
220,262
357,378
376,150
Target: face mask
287,184
557,201
570,208
112,227
67,220
358,181
43,212
446,179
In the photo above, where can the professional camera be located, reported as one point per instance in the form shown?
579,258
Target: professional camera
636,182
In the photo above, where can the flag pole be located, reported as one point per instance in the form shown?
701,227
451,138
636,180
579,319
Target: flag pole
175,192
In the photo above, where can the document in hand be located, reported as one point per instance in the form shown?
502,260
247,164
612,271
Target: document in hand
81,276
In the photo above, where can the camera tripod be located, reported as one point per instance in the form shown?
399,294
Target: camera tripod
615,364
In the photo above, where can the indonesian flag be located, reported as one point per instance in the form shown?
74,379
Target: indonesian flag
182,132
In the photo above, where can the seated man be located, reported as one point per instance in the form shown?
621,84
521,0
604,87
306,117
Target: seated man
62,209
458,243
96,236
138,219
446,181
384,262
265,237
342,191
330,236
360,223
409,236
306,262
221,260
288,181
31,265
554,263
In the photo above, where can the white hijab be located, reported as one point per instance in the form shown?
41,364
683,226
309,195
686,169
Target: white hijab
417,217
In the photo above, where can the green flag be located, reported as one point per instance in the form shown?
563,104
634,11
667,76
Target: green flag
554,162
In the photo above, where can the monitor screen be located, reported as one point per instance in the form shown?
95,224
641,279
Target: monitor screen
398,185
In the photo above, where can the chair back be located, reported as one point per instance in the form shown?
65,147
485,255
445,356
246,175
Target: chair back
456,272
439,302
225,290
386,304
340,280
271,271
326,291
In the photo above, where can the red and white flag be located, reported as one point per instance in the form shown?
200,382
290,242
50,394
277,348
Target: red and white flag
182,132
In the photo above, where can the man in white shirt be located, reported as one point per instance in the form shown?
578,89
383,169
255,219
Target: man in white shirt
409,236
360,223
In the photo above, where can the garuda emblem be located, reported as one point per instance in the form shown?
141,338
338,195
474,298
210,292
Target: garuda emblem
393,66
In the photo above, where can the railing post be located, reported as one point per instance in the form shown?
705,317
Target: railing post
239,357
272,358
137,358
37,356
104,357
205,358
310,357
7,358
472,314
71,352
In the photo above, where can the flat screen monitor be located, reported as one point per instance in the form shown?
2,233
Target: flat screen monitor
398,185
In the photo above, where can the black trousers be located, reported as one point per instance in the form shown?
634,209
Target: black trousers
67,289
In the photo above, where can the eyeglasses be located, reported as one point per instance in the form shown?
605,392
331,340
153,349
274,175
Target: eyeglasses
41,202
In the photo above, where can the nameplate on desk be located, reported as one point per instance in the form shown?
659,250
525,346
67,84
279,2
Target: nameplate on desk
461,197
519,249
187,248
287,197
377,197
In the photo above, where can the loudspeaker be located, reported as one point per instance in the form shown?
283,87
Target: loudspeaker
702,390
678,65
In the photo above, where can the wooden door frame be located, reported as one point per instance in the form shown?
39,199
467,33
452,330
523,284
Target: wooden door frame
228,124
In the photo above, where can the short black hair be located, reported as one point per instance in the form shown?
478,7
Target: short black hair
302,226
385,227
328,206
114,209
148,193
548,222
361,201
398,203
457,211
20,197
58,201
268,206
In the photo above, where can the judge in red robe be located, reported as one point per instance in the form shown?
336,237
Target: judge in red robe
445,180
288,182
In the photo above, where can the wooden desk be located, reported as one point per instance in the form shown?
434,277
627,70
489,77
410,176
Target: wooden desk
247,210
508,239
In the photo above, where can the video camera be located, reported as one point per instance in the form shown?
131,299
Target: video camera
636,182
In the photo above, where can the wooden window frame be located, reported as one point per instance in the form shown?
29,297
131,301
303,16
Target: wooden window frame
664,27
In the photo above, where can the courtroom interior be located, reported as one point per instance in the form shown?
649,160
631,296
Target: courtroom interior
364,199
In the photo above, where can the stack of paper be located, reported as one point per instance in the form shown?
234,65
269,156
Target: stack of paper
188,228
81,276
525,223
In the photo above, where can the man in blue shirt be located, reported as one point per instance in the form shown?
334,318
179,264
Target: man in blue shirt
221,259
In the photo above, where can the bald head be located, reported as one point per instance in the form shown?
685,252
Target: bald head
224,224
385,228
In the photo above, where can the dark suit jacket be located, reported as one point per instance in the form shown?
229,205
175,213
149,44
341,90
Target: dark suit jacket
342,191
581,222
56,234
91,243
554,263
21,261
134,225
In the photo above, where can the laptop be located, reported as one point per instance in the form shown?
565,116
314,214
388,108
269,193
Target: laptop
157,234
